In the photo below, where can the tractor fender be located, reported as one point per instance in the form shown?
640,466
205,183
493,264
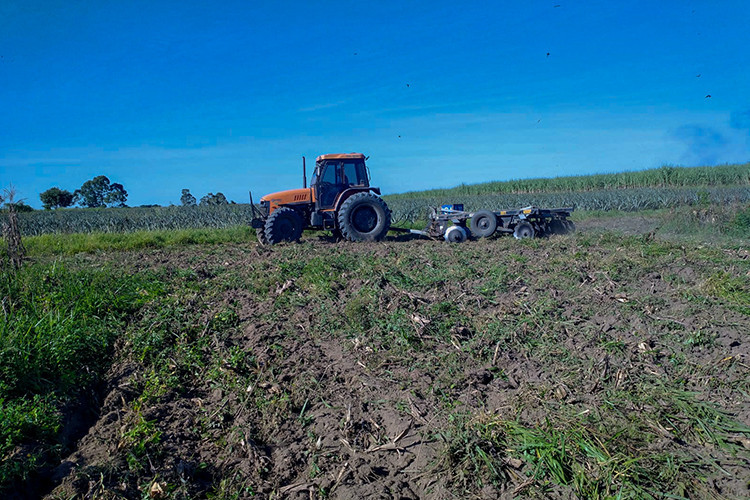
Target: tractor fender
353,190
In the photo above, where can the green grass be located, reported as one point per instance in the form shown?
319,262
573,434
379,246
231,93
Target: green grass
69,244
734,291
740,224
604,454
56,336
475,451
708,222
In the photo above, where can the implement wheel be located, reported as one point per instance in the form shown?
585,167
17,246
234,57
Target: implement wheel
364,217
455,234
524,230
284,224
483,224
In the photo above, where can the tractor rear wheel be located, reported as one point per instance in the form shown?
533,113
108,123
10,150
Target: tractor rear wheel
364,217
483,224
284,224
523,230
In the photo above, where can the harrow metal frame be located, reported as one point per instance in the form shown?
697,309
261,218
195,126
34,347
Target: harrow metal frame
526,222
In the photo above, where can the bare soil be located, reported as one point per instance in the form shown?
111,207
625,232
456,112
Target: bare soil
360,384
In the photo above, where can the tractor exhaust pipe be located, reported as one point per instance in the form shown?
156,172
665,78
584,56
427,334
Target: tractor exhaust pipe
304,173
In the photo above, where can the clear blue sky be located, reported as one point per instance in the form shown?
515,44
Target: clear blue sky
227,96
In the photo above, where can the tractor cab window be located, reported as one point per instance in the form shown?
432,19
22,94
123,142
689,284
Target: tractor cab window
328,173
333,177
327,189
353,175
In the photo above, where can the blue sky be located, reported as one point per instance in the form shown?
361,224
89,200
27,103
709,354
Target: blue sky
227,96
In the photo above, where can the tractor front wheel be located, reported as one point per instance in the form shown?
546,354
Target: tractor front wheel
284,224
364,217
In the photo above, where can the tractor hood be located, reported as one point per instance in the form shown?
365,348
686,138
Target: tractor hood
288,197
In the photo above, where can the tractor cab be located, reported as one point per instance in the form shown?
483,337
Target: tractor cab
334,174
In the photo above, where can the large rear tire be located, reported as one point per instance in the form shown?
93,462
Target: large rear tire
284,224
364,217
483,224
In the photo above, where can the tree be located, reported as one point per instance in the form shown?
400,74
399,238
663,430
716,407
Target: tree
93,191
98,192
117,196
187,199
56,198
214,199
19,207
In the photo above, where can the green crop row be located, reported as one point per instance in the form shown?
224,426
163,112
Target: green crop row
126,220
410,209
662,177
404,208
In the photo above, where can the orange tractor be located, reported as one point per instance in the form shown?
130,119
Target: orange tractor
339,199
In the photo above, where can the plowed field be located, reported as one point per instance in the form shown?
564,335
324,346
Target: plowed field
593,365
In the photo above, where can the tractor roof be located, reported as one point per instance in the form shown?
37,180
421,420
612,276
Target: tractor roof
349,156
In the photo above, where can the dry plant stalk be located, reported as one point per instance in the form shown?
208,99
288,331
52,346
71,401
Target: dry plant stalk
12,232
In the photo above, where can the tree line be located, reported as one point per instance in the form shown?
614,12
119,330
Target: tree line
100,192
188,200
94,193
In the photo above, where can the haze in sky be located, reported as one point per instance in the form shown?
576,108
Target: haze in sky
227,96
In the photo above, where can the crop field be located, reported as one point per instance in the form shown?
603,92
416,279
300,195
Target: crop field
610,363
665,187
662,177
126,220
406,209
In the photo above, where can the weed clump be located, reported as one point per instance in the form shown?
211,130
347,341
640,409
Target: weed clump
741,222
474,452
11,232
